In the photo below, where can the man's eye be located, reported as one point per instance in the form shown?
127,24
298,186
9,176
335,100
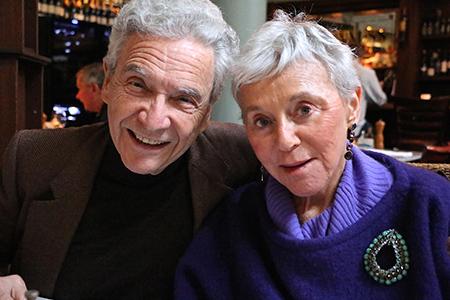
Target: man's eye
136,84
186,100
304,110
262,122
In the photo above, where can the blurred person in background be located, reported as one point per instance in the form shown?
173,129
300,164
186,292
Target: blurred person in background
372,91
89,80
104,211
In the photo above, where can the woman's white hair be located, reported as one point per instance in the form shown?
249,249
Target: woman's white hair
285,40
177,19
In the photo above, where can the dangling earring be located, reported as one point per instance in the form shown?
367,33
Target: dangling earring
350,137
263,172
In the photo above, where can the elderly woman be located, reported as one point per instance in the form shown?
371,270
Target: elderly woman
327,220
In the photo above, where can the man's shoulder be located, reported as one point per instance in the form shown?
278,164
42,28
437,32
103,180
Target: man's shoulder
54,137
52,144
226,138
225,131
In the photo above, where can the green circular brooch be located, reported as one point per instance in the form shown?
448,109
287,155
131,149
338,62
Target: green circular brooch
394,239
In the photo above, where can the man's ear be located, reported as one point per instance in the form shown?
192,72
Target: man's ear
106,82
206,119
353,107
95,88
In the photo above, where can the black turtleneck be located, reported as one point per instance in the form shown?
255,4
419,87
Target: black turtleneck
133,231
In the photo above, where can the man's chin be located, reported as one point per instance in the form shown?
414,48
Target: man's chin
145,170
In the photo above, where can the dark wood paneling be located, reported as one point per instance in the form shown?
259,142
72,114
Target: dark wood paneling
21,69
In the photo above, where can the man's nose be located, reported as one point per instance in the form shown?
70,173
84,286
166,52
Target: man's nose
157,114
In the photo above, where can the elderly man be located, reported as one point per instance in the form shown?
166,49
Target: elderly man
89,84
104,212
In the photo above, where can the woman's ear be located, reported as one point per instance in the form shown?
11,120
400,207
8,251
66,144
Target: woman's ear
353,107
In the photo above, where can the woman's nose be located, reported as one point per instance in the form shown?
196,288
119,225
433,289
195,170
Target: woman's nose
288,138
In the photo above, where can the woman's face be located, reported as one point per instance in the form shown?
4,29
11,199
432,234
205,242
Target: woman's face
297,125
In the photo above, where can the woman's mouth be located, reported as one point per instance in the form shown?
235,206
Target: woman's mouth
296,165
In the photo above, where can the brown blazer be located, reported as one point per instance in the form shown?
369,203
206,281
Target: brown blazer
47,177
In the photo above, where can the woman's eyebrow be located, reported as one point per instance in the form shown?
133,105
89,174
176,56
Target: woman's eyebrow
306,96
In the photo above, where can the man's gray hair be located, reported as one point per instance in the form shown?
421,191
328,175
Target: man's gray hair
92,73
285,40
177,19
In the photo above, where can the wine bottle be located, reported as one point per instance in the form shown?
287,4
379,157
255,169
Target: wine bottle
437,62
431,71
44,6
447,30
67,9
52,7
424,66
443,27
86,10
59,8
424,30
79,10
403,25
444,65
437,22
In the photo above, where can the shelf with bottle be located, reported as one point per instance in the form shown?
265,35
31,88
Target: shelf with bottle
435,25
101,12
435,64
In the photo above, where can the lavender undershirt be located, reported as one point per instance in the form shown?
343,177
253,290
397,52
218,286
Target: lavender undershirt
363,184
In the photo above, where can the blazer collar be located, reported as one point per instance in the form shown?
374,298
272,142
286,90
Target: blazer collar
72,189
207,173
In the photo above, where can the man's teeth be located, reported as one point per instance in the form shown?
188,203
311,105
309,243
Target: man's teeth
147,141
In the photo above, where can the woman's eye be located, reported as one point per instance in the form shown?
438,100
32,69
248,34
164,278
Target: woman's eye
262,122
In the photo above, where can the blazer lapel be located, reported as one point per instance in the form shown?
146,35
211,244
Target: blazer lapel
59,218
207,174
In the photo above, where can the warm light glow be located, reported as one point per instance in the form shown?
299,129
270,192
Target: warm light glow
381,30
369,28
425,96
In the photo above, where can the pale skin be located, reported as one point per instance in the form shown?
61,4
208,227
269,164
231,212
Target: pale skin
158,103
158,100
297,125
90,94
12,287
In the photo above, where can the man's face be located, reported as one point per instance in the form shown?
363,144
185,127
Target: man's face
86,94
158,100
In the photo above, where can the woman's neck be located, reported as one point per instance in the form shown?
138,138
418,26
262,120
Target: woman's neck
311,206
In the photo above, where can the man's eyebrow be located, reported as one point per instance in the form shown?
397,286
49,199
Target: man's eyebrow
136,69
192,92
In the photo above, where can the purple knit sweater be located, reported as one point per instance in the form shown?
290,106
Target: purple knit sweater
241,254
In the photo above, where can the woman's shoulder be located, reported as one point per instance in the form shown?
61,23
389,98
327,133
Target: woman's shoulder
240,204
427,182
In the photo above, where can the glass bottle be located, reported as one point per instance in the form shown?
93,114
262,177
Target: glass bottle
424,66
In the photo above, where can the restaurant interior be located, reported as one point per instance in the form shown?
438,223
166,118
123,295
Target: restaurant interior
406,42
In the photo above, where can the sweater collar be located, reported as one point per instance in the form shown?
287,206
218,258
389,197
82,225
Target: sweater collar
363,184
